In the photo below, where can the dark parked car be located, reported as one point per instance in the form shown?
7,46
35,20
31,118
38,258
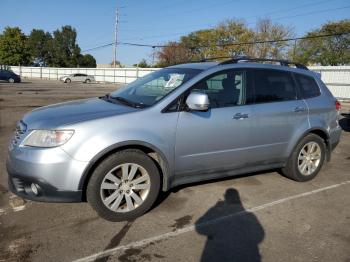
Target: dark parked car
9,76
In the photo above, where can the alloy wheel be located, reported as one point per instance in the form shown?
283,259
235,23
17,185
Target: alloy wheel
309,158
125,187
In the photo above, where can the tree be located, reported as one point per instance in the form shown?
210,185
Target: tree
143,64
13,47
39,44
333,50
223,41
66,52
87,61
117,63
171,54
267,30
216,42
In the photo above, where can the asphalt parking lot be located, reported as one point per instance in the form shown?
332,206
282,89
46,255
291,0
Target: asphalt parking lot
254,217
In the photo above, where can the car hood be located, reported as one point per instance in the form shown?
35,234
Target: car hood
56,115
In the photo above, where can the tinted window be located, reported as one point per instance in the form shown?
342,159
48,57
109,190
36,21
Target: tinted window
308,86
273,86
224,89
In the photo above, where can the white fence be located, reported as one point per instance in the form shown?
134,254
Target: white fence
337,78
113,75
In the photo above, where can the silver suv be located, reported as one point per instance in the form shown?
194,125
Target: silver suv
181,124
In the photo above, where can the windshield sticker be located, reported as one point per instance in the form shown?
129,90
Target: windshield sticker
174,81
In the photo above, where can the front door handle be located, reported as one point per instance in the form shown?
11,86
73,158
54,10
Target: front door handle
239,116
299,109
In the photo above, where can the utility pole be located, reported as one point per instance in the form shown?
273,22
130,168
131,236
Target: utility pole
115,36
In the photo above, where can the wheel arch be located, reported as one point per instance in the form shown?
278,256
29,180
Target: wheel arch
321,132
157,156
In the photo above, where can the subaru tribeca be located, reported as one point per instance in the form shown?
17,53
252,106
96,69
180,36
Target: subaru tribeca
181,124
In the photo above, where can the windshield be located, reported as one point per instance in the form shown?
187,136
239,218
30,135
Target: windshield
148,90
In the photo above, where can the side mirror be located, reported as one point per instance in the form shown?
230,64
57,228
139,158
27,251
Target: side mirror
198,101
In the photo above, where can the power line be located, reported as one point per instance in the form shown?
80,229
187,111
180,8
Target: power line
285,17
226,44
278,18
272,12
290,9
243,43
311,13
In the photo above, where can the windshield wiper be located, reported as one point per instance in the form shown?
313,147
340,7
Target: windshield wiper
127,102
123,100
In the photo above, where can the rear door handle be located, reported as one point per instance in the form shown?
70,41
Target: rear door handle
299,109
239,116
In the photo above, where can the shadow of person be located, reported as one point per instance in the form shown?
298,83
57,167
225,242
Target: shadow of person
233,234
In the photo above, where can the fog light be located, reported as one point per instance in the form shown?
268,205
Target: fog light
35,188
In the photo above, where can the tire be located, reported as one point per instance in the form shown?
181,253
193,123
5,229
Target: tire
88,81
123,191
299,166
11,80
68,80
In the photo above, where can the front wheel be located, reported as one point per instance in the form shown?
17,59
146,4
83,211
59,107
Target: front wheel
68,80
124,186
307,159
11,80
87,81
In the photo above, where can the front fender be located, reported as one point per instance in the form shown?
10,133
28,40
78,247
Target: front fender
164,164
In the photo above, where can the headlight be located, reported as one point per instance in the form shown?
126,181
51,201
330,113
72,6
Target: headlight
47,138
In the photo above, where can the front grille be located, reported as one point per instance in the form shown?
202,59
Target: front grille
21,129
18,184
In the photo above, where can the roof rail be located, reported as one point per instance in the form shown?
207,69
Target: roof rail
282,62
209,59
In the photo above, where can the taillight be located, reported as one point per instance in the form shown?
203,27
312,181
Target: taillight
337,105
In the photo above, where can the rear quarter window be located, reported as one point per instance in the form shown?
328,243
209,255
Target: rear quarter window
308,86
273,86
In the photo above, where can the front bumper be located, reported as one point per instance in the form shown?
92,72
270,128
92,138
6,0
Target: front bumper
53,171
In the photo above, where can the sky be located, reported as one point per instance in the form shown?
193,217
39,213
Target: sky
156,22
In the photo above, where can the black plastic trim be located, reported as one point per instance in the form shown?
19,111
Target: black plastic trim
47,192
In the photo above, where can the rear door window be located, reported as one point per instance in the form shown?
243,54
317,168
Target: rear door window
273,86
308,86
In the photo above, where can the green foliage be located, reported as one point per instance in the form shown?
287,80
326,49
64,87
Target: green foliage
143,64
204,44
42,48
117,63
216,42
87,61
40,44
64,48
325,51
13,47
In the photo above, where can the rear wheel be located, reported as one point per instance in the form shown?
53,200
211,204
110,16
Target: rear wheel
307,159
11,80
124,186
